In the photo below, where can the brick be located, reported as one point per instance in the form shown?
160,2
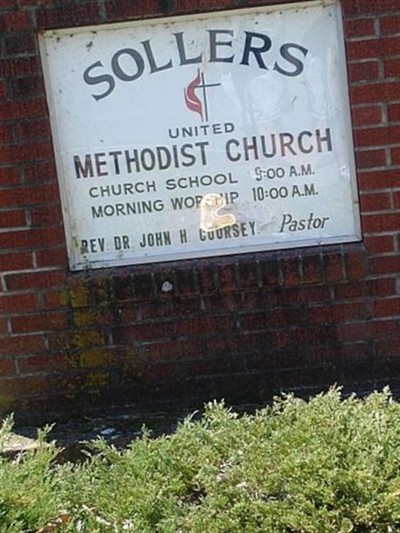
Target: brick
340,312
208,339
144,286
383,328
63,341
356,265
381,179
41,237
385,265
20,66
52,257
24,385
371,158
386,349
9,176
22,344
308,336
368,7
15,261
12,218
34,3
99,288
396,199
388,367
356,365
16,303
46,215
6,133
162,276
159,372
270,271
255,321
379,244
323,376
183,307
371,93
287,316
216,303
29,196
366,115
166,351
27,87
34,280
208,279
3,327
251,300
92,317
34,151
188,6
191,348
220,365
228,277
78,289
7,367
34,130
7,5
202,325
123,289
249,275
219,345
333,266
53,321
3,89
211,4
365,71
291,271
227,301
350,291
380,287
395,156
381,223
372,48
39,172
15,21
23,109
375,202
372,137
146,331
359,28
392,68
308,295
117,10
44,363
352,332
390,25
252,342
22,43
393,111
67,15
386,308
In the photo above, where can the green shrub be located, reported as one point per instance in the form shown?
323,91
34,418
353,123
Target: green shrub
327,465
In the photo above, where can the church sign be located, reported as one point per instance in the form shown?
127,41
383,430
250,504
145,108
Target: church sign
200,136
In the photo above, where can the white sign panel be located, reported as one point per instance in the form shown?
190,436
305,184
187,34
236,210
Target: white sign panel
200,136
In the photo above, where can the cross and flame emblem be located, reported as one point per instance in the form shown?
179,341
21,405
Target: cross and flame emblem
192,100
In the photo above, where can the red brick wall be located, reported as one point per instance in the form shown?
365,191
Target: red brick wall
236,327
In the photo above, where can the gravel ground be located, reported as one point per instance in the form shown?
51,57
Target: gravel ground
71,436
118,429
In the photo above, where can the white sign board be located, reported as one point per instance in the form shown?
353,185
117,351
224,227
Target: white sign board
201,136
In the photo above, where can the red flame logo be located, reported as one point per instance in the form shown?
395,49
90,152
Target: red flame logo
192,101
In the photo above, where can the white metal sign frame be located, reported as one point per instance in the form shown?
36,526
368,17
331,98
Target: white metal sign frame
203,135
